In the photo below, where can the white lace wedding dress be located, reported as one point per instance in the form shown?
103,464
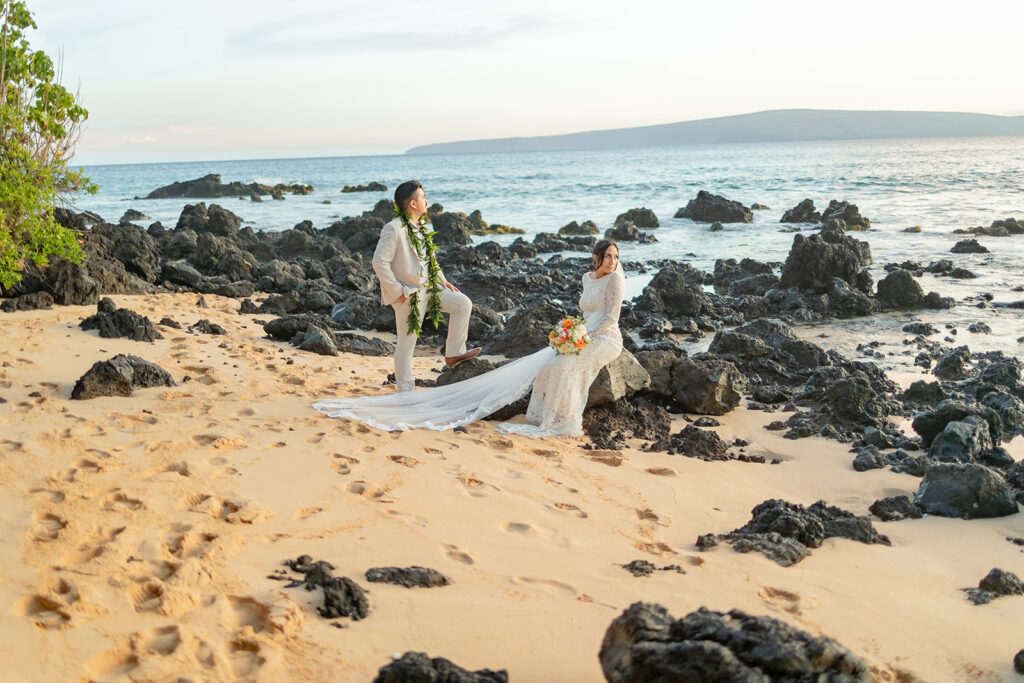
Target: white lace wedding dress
560,383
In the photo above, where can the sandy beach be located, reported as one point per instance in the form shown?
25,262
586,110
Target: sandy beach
140,532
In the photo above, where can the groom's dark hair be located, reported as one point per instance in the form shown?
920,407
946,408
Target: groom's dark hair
405,191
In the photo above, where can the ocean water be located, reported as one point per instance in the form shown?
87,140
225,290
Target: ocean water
939,185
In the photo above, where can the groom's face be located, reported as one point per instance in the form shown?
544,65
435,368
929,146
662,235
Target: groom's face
418,203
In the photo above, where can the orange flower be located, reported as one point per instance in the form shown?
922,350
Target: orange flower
579,344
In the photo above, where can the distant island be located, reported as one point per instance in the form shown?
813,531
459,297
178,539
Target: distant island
780,125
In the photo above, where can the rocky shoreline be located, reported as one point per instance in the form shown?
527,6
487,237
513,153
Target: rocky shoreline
315,288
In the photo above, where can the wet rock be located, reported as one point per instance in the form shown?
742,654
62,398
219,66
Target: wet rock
452,228
114,323
710,208
410,577
620,378
646,643
1018,662
119,376
707,385
417,667
953,364
286,327
846,212
210,186
979,328
584,228
754,285
961,441
895,508
675,291
968,247
170,322
933,301
642,218
814,261
627,232
996,584
869,458
899,290
923,329
204,326
373,186
804,212
966,491
320,341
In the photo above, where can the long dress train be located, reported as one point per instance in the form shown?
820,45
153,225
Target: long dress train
560,382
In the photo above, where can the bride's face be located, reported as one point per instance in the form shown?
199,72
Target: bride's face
608,263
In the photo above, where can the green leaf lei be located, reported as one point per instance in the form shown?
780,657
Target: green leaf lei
423,242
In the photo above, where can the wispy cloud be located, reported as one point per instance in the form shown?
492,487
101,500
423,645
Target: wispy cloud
307,36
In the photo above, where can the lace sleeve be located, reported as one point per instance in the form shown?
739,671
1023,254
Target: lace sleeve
611,304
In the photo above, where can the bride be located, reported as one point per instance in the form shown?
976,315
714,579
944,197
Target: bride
560,383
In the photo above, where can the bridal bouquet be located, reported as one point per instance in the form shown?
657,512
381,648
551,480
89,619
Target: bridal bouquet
569,336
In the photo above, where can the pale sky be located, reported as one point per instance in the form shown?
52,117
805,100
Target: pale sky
222,79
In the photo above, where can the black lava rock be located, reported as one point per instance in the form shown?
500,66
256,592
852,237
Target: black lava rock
967,491
112,323
410,577
996,584
968,247
646,643
119,376
343,597
711,208
417,667
895,508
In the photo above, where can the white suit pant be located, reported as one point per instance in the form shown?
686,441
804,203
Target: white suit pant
456,305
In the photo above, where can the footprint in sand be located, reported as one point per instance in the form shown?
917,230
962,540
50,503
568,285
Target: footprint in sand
547,585
147,597
47,527
518,527
246,412
410,519
113,664
48,495
610,458
306,513
454,553
119,502
405,460
342,464
661,471
316,438
160,641
183,543
366,490
784,600
658,548
572,509
44,612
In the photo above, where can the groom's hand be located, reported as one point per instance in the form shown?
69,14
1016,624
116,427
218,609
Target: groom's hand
448,285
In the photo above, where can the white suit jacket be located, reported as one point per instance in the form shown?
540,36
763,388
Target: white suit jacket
397,265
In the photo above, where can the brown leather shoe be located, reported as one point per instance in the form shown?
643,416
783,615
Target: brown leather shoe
452,361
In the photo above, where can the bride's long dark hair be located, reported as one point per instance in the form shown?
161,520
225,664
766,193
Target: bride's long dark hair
599,249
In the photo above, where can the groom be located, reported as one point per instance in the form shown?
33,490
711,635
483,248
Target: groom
403,263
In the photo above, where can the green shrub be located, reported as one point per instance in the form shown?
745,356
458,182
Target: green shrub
39,127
